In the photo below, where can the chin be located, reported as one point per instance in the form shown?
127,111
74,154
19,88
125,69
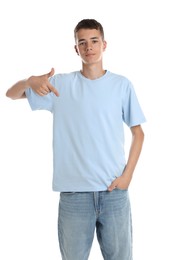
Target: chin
90,61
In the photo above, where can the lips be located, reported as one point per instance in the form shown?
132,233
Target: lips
89,54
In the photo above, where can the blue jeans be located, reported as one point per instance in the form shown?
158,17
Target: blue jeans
80,213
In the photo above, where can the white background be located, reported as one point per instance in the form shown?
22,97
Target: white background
37,35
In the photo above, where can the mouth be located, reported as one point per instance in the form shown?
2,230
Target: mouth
89,54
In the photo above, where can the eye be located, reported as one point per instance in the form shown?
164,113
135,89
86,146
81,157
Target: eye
82,43
94,41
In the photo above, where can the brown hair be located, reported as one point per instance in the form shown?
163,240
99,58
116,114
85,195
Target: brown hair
89,24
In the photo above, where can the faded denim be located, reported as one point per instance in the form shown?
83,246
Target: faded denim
81,213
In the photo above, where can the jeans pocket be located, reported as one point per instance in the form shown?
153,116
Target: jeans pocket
67,193
121,189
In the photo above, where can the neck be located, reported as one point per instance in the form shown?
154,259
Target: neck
92,71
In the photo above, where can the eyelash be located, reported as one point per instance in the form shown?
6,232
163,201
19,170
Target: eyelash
83,43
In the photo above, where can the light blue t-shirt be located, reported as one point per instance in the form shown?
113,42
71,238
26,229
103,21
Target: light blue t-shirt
88,130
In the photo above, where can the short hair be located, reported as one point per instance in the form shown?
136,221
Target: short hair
89,24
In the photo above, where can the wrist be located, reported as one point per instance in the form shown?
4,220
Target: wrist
127,175
27,82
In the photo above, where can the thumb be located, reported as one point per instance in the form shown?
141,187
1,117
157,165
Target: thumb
51,73
113,185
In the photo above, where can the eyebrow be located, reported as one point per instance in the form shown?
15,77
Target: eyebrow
92,38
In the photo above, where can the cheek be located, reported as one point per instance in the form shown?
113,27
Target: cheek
81,51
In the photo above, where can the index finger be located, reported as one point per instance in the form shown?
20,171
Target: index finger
52,89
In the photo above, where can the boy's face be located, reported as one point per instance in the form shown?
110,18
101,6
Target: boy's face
90,45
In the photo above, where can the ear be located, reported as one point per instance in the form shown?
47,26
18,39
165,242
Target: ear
75,47
104,45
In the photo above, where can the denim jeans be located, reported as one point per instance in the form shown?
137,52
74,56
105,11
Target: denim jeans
81,213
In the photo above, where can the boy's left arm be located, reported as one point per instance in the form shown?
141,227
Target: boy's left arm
124,180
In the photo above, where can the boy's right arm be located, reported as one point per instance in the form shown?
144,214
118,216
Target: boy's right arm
39,84
17,91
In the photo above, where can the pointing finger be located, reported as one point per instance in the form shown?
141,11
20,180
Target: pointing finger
54,90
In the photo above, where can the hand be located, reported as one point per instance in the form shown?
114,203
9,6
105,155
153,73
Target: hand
41,84
121,183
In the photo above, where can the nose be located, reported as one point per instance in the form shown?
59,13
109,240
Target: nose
89,47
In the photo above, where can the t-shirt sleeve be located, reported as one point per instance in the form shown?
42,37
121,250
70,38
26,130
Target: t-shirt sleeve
38,102
131,110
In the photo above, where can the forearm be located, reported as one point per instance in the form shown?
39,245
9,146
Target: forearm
134,153
39,84
17,91
124,180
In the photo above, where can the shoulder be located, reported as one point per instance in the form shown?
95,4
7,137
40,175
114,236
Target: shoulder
120,82
62,79
118,77
64,76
